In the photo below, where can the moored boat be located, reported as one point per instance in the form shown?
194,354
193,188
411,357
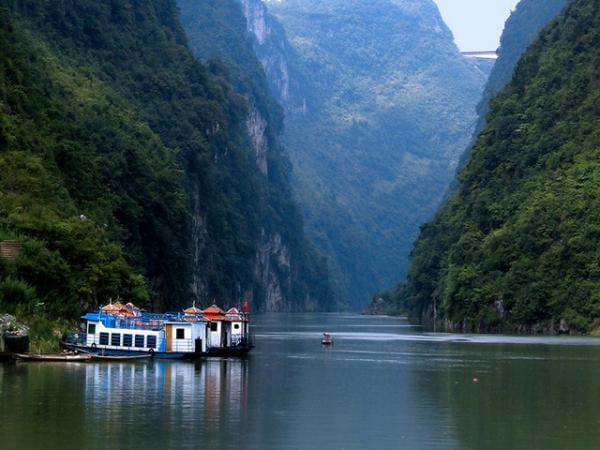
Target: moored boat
58,357
124,330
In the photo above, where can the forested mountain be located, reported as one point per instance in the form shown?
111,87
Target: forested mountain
380,105
127,169
518,246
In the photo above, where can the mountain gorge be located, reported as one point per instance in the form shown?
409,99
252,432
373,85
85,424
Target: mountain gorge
131,170
517,246
379,107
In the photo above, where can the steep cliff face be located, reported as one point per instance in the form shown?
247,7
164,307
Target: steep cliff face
284,263
257,127
386,105
521,29
276,56
517,247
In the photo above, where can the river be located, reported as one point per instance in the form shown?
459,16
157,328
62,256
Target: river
383,385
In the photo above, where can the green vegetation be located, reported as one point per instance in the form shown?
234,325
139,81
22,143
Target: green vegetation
390,105
521,29
518,246
125,166
52,173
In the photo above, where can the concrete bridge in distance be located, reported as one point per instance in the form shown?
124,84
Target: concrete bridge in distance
491,54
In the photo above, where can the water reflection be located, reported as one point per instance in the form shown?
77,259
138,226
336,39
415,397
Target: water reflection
176,402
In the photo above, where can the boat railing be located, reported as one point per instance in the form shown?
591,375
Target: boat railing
145,321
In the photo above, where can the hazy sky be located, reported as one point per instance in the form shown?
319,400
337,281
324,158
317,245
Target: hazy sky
476,24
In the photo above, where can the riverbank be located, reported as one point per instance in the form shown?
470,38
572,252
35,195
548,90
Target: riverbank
44,333
383,306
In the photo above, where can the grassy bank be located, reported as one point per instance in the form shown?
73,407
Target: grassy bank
45,334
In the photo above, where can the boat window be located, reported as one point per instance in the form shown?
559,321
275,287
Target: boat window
236,326
127,340
91,328
103,338
213,326
151,342
180,333
115,339
139,340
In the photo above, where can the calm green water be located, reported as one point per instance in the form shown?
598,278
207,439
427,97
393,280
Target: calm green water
384,385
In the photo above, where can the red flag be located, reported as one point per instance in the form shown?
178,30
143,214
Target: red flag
246,308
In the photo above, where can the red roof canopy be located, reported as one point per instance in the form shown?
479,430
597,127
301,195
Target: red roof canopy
213,313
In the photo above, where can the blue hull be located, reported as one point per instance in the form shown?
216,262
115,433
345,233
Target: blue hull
236,351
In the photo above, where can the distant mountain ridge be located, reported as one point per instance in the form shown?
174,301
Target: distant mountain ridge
382,106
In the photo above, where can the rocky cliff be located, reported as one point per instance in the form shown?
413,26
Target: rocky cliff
277,57
289,275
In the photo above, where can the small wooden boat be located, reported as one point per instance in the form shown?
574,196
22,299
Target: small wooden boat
58,357
327,339
124,358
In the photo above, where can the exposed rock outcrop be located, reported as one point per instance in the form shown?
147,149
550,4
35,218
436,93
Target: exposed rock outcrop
275,54
257,126
272,268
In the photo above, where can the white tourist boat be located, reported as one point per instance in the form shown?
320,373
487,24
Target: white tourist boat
124,330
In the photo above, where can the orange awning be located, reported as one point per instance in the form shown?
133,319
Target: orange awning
214,313
193,310
111,307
